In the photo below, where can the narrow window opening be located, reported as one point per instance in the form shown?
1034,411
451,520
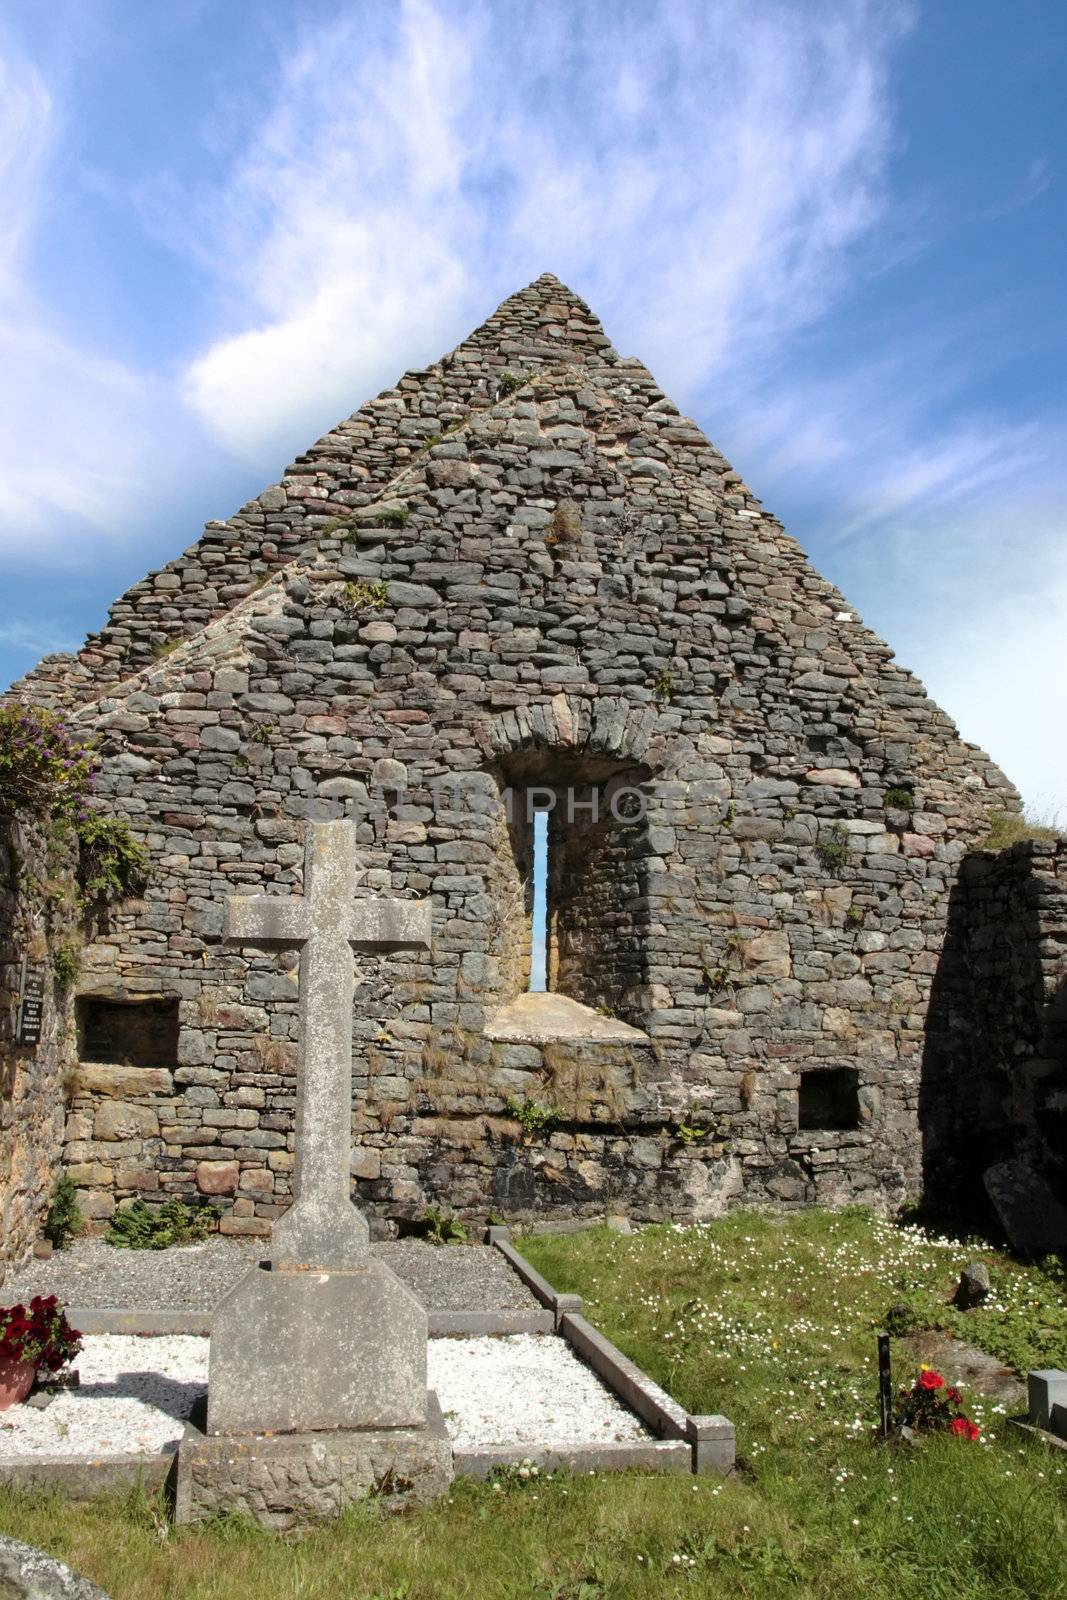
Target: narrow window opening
130,1033
829,1099
539,919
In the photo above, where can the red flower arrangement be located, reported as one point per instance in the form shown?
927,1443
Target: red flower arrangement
931,1405
40,1334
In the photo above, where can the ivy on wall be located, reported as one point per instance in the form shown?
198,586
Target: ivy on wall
49,770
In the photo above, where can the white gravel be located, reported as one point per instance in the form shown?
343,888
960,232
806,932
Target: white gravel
135,1395
525,1389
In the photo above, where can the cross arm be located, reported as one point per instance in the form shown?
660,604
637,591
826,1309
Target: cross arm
390,923
266,919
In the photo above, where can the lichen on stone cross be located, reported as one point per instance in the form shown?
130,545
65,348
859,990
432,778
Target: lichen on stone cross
322,1228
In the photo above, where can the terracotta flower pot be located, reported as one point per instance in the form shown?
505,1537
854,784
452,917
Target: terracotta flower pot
16,1381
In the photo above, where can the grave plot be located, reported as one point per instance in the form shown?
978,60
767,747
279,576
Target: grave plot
136,1393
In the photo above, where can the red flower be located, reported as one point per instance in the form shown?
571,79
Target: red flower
958,1425
931,1380
954,1395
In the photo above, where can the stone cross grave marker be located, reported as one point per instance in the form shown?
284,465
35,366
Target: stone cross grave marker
322,1228
322,1335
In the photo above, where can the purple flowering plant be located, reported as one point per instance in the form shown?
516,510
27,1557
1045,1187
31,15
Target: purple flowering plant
44,767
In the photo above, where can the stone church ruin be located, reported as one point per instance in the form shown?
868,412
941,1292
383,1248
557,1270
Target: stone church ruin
520,586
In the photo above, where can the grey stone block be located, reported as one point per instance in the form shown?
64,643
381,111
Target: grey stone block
558,1304
91,1319
1032,1217
296,1351
294,1480
714,1440
26,1573
1047,1394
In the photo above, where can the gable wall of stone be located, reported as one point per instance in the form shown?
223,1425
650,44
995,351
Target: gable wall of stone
345,469
576,572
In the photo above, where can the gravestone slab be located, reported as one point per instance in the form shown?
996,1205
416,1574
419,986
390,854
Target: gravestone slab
1030,1214
295,1350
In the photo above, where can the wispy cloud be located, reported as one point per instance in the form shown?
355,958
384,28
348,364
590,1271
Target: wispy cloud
80,431
715,177
699,173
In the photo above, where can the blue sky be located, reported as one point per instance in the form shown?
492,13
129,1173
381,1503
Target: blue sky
834,231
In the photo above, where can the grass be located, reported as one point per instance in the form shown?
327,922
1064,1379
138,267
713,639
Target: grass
1006,828
770,1320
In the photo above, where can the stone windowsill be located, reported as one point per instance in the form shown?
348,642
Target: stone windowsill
557,1019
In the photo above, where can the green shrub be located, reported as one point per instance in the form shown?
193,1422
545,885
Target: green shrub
66,964
362,596
141,1228
44,767
510,381
440,1227
64,1219
832,850
112,864
899,800
663,688
533,1118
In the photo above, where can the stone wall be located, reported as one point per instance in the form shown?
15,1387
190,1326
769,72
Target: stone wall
349,467
559,578
37,914
995,1077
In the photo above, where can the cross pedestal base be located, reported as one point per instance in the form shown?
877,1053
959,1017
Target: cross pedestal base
296,1479
296,1349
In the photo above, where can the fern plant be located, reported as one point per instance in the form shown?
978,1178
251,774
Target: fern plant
140,1227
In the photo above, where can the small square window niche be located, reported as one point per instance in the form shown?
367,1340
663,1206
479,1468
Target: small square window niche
829,1099
131,1033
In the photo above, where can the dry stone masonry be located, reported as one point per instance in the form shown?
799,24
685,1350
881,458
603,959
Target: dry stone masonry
36,920
520,571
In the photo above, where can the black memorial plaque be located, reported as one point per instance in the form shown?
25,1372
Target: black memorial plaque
31,1002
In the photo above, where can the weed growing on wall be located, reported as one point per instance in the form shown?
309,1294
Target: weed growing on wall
45,768
533,1118
66,964
362,596
112,864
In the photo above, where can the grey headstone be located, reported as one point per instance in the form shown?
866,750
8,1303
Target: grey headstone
295,1351
1031,1216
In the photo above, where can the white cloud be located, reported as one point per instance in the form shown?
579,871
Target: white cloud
698,173
25,132
81,432
998,666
